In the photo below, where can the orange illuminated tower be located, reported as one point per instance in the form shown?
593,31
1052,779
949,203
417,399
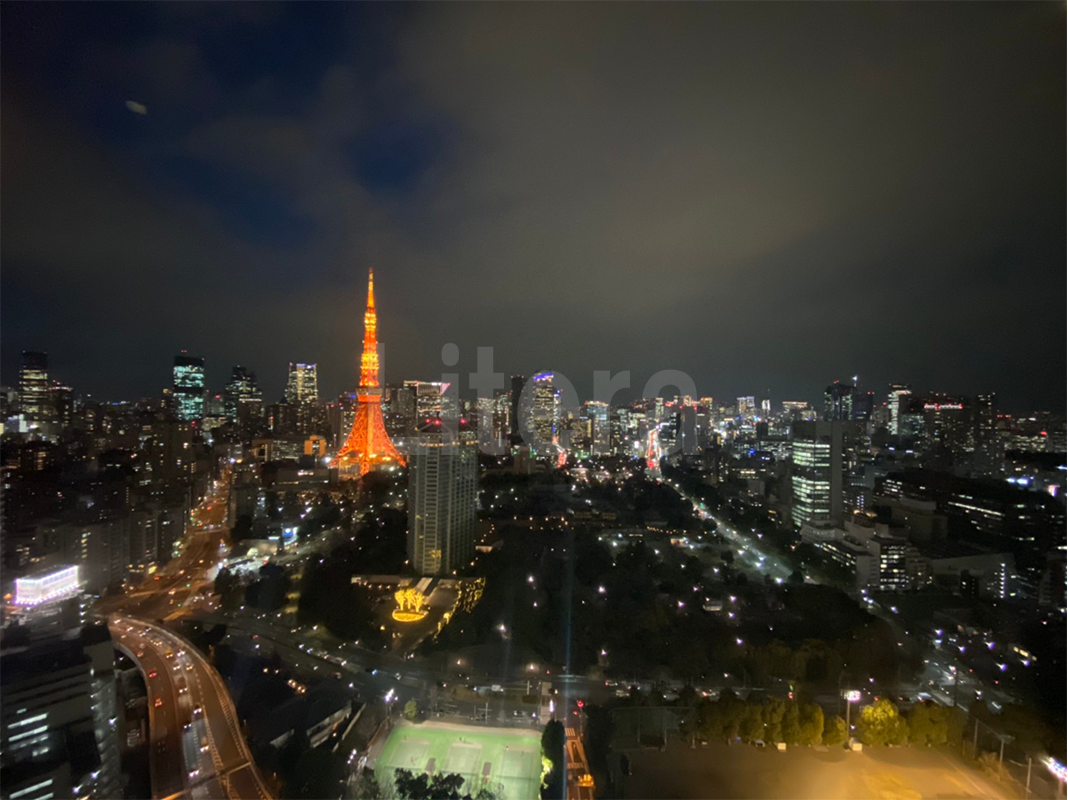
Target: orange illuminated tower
368,443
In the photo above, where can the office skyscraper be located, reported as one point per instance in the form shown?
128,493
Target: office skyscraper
339,416
189,387
838,402
33,387
432,399
398,406
57,718
502,416
516,391
863,405
545,414
816,473
487,431
442,498
302,396
241,390
686,436
898,393
493,427
303,383
600,433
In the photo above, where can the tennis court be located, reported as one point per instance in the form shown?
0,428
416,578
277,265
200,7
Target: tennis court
412,753
520,774
463,758
506,761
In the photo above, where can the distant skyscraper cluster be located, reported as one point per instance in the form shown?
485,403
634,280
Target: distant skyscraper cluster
850,474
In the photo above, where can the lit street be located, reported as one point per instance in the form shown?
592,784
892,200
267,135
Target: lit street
189,707
944,678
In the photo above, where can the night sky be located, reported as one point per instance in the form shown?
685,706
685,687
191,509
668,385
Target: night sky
765,196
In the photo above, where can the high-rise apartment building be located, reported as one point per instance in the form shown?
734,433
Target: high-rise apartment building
442,498
62,404
188,387
167,453
989,442
816,473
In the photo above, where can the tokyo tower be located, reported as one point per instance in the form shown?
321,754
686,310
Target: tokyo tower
368,443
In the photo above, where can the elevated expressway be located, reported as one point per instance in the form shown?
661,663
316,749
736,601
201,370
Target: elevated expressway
196,748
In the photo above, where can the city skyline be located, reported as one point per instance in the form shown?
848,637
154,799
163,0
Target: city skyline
533,401
787,244
218,387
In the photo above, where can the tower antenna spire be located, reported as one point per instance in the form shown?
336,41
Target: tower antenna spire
367,444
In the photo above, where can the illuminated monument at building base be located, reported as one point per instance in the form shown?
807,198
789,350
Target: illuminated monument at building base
368,445
411,605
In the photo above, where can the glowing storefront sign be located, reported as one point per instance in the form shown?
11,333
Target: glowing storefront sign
43,588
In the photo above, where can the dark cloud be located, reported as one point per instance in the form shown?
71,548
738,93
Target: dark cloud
767,196
753,192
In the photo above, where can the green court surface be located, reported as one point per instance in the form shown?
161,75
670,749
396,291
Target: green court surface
513,757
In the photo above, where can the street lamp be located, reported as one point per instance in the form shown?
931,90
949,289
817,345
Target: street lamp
852,696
